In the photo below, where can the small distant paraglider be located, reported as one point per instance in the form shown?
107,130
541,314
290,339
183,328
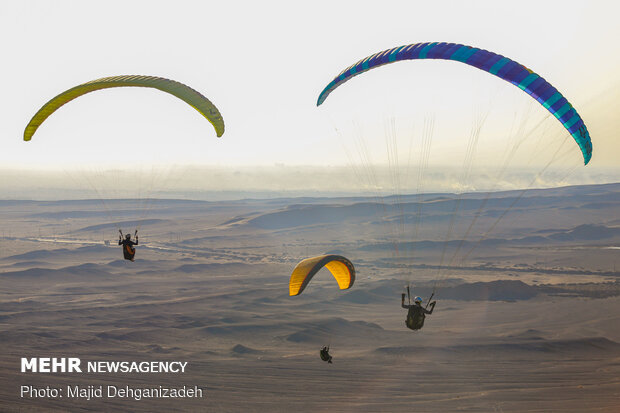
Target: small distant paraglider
340,267
325,356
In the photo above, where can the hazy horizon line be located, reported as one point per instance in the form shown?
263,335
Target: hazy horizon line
242,195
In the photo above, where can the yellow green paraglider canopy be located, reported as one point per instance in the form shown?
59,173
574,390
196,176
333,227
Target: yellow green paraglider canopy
183,92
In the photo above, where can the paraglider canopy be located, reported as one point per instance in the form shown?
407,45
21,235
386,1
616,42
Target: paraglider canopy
183,92
498,65
341,268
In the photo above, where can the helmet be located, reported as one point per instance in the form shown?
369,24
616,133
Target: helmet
128,236
417,300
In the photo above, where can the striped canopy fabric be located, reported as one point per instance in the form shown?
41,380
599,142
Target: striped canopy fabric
502,67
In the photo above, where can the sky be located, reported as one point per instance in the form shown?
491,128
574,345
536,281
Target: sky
263,65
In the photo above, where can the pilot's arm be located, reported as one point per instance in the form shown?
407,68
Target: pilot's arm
402,301
432,308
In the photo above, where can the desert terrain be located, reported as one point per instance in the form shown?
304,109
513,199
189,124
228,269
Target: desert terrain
527,315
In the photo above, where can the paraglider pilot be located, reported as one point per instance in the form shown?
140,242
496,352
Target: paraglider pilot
129,252
416,313
325,354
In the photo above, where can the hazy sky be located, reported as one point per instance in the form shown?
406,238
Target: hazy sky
263,64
